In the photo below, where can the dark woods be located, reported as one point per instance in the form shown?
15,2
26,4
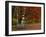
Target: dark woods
22,15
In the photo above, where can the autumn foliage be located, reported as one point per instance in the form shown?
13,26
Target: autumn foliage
31,14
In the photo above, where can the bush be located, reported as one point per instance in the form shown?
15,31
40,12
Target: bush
14,21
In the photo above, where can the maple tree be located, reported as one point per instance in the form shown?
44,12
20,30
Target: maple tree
31,14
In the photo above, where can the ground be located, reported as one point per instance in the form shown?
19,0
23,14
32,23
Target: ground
35,26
